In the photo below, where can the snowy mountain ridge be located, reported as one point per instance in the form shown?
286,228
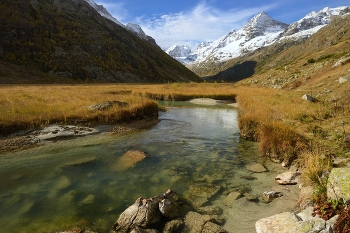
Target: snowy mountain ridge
260,31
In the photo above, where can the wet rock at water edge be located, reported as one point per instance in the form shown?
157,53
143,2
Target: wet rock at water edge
256,167
269,196
147,213
288,178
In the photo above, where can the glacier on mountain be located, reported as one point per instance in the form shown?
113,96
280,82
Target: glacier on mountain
260,31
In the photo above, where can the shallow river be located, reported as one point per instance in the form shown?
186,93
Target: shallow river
79,181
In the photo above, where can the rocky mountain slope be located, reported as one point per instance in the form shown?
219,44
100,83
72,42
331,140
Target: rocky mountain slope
69,41
261,31
134,28
315,63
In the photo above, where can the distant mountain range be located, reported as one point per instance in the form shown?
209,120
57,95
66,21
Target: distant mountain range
260,31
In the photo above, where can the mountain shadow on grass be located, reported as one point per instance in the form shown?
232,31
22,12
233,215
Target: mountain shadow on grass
235,73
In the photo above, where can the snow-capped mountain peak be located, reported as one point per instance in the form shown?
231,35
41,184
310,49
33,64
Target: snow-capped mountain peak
179,51
261,24
314,21
260,31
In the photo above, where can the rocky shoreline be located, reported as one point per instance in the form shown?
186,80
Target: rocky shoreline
28,139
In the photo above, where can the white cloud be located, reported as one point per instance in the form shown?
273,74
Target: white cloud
203,23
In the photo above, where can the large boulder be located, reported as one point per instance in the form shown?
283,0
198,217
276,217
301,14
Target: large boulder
282,223
147,213
303,222
338,185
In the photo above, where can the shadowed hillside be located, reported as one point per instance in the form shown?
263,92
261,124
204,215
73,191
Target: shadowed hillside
71,42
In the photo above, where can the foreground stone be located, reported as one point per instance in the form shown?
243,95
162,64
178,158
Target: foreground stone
338,185
288,178
302,222
148,213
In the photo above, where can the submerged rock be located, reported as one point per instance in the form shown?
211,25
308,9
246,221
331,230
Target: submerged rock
199,193
211,210
229,200
256,167
129,159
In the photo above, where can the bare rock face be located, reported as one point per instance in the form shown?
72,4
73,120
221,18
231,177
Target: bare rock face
147,213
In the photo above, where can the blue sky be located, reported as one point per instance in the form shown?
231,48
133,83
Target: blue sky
189,22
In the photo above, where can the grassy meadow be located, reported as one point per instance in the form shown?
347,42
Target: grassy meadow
288,128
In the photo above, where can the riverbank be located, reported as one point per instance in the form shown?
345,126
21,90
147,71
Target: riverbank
32,138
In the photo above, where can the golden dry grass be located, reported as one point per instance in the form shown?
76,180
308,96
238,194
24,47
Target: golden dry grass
30,106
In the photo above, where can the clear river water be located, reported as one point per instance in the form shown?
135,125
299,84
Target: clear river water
78,181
